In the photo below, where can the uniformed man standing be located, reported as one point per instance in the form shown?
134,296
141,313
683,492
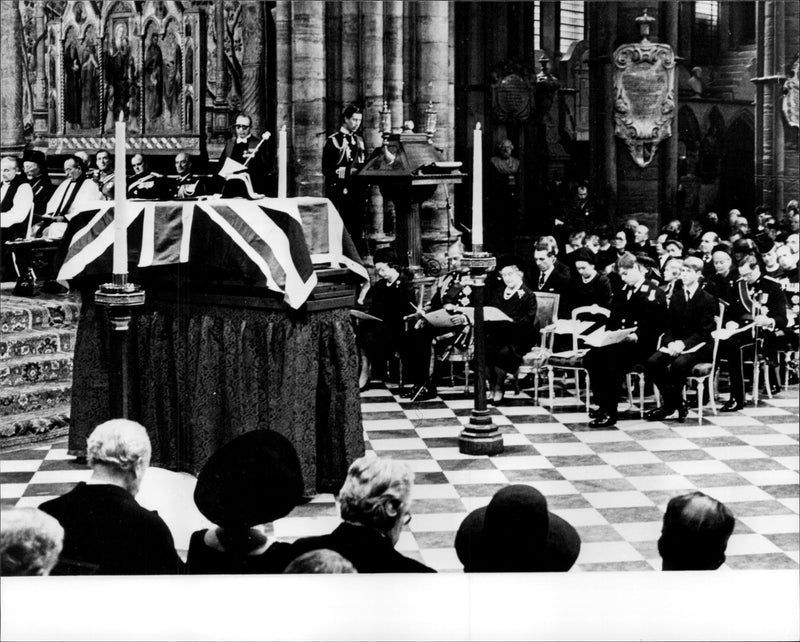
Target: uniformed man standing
639,304
343,156
758,300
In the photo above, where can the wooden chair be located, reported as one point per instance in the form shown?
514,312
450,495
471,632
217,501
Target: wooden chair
532,363
572,360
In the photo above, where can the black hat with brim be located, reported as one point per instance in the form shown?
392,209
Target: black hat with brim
516,533
254,479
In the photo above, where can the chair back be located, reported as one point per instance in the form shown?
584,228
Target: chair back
546,312
593,310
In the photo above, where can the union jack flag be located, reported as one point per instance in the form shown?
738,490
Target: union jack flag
272,242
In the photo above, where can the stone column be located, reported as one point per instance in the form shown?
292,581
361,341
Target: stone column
791,135
372,82
393,60
40,81
253,59
283,83
669,153
350,38
603,25
308,102
766,177
11,138
432,83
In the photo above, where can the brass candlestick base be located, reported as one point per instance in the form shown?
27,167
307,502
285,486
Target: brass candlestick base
480,436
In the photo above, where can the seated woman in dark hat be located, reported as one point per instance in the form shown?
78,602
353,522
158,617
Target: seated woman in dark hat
508,341
392,301
251,481
516,533
375,504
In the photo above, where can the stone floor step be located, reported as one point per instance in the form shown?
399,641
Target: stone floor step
39,397
27,427
18,314
34,369
37,341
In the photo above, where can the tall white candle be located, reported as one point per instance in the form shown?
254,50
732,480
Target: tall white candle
120,233
282,161
477,188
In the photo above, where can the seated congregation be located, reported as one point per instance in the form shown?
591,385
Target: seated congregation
99,528
606,305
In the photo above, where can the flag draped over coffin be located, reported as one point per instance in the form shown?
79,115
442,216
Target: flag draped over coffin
273,242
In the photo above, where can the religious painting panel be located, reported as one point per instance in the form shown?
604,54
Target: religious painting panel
126,60
122,52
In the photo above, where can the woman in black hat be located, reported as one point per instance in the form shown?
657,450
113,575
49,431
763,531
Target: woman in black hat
248,483
392,301
516,533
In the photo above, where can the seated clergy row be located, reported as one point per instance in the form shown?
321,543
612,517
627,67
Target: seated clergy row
99,527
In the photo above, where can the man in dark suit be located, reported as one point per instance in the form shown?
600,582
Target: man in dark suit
250,150
546,278
757,300
35,165
687,341
641,305
343,155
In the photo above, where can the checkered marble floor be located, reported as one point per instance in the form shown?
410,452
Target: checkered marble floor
611,484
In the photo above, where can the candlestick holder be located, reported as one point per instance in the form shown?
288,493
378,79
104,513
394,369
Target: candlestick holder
480,436
119,298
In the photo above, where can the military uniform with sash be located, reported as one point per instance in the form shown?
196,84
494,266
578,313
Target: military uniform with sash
642,307
762,298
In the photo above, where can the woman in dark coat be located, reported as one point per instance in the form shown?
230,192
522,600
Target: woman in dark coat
508,341
391,301
248,483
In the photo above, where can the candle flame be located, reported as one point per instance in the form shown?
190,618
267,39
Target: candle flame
121,116
477,126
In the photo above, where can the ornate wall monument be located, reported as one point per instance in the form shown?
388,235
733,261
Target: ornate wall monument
644,89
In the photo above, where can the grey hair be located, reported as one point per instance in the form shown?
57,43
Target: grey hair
372,485
30,542
118,443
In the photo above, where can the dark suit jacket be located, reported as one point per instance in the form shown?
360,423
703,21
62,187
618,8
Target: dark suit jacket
106,532
365,548
690,321
558,283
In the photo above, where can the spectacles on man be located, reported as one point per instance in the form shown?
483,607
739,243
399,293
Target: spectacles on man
406,519
239,126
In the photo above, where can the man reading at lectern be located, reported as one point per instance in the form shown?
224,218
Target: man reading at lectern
343,156
253,151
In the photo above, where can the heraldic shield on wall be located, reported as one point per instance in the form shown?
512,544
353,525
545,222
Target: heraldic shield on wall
644,96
